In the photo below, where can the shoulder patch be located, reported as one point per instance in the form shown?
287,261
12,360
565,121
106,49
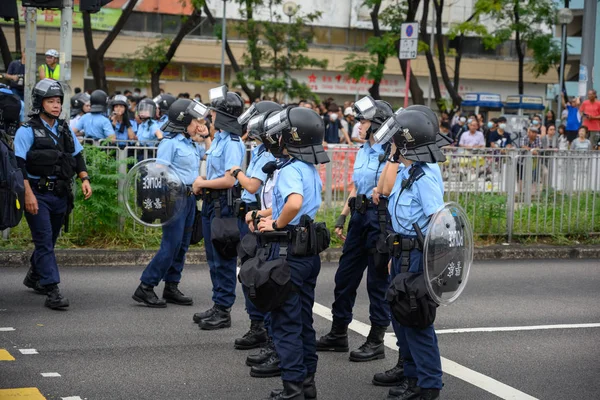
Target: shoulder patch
234,137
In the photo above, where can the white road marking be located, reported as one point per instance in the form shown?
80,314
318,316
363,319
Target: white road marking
28,351
71,398
50,374
517,328
7,329
449,367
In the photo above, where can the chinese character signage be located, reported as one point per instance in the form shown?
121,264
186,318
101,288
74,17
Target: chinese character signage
331,82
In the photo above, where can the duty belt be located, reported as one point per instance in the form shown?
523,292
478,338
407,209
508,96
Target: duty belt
398,244
241,208
214,194
44,185
189,191
360,203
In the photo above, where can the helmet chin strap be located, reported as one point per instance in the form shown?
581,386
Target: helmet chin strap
47,114
369,131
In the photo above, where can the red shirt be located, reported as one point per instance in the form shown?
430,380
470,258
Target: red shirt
591,109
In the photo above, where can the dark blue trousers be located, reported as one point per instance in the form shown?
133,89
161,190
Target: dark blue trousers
168,262
292,323
45,227
223,273
419,347
363,230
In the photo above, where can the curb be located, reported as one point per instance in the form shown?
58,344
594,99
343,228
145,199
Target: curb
66,258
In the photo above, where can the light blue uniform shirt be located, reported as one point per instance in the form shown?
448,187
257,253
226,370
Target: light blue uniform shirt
224,153
163,120
146,132
22,112
260,156
367,168
419,202
300,178
183,155
24,141
124,136
95,126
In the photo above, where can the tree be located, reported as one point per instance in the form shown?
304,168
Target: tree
96,55
151,60
4,49
274,49
525,20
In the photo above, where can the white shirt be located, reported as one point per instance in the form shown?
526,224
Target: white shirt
469,139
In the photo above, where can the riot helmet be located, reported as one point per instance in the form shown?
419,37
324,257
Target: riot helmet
181,114
99,101
77,103
414,135
228,106
164,102
119,100
258,108
374,111
45,89
441,139
146,109
256,130
302,132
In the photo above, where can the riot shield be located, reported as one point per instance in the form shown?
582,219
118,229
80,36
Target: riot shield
448,253
154,194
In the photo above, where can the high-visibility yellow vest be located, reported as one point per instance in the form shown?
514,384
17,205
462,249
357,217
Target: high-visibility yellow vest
52,74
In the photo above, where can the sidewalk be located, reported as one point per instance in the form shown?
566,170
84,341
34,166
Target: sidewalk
12,258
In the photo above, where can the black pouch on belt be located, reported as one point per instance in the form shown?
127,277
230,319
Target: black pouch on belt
225,234
197,234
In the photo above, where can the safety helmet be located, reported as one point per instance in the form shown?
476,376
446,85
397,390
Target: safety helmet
302,132
99,101
181,114
146,109
258,108
52,53
375,111
414,135
119,100
441,139
256,130
164,102
45,89
225,102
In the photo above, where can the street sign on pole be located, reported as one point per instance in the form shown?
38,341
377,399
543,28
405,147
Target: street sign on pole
409,41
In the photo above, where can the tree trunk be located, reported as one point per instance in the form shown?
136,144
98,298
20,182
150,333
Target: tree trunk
4,49
374,89
456,99
520,52
155,82
415,89
17,27
435,83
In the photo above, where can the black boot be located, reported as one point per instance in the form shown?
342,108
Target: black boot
172,294
220,319
32,281
336,340
373,348
391,377
413,393
430,394
291,391
267,369
407,383
263,355
206,314
145,294
55,300
255,337
310,388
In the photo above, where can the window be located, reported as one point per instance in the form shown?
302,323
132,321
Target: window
170,24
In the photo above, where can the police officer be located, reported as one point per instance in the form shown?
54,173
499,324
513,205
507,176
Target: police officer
13,110
367,224
80,105
252,182
297,193
226,151
163,102
148,131
95,125
48,186
415,193
123,127
180,152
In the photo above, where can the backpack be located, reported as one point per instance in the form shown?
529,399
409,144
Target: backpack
10,112
12,187
410,302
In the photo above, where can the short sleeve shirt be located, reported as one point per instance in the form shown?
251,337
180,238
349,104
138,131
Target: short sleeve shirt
95,126
259,157
226,151
183,155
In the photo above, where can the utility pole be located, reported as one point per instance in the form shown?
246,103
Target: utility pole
223,39
431,46
588,38
30,51
66,51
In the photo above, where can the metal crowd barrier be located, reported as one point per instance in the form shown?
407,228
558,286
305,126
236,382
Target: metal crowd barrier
505,192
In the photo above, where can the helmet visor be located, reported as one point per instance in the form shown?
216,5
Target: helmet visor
366,108
146,110
197,110
277,123
120,99
247,115
84,98
217,95
255,127
387,131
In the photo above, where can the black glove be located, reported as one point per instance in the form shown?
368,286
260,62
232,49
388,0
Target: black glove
340,222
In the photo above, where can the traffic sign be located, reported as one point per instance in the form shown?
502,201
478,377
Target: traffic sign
409,41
